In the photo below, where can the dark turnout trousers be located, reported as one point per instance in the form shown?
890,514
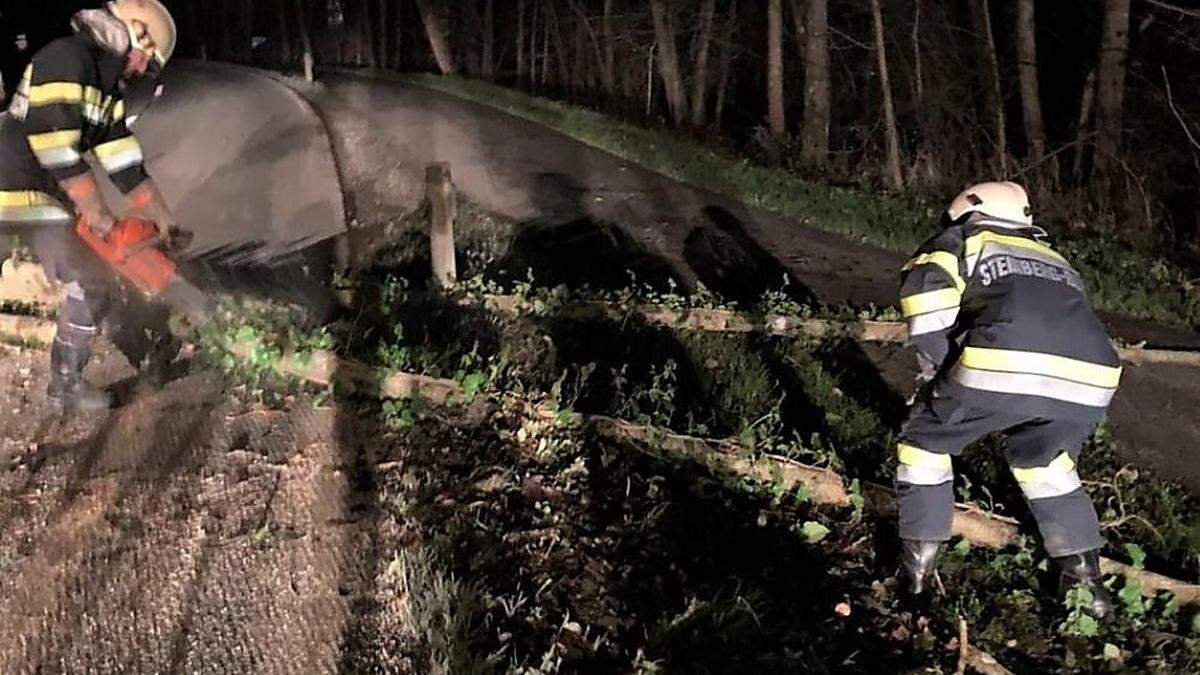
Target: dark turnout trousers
1041,452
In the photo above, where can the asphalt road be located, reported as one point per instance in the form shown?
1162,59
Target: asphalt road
384,133
244,161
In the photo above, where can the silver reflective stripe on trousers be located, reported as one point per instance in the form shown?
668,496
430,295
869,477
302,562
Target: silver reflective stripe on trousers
923,475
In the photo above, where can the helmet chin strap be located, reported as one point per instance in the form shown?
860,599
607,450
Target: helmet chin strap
131,119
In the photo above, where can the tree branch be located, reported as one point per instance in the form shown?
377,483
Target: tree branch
1182,10
1171,102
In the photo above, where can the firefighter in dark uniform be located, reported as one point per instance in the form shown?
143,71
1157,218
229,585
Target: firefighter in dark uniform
69,103
1007,342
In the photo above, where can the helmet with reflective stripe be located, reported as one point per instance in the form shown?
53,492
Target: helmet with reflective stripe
150,26
1003,200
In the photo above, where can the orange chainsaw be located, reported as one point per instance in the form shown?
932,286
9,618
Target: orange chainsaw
133,249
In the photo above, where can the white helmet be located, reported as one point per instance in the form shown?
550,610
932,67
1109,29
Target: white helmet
1003,200
150,25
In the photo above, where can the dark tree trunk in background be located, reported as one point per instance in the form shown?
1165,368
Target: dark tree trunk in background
918,77
199,33
305,39
522,66
1083,126
229,20
1031,98
700,74
663,12
471,51
562,71
725,62
489,41
436,34
892,178
1110,81
398,37
586,30
285,34
814,152
981,16
578,54
383,30
776,115
609,73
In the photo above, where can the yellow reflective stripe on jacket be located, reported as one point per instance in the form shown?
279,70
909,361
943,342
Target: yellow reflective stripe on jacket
54,93
930,301
96,107
914,456
1037,363
53,140
948,262
56,149
120,154
31,206
975,243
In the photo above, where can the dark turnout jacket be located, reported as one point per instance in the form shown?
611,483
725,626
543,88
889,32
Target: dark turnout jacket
1006,320
68,104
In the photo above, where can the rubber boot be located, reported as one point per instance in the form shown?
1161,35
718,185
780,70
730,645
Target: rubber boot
1083,570
918,563
68,390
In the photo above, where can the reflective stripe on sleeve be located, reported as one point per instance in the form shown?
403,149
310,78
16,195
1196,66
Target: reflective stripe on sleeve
921,467
932,322
948,262
120,154
28,206
1057,478
56,149
930,301
55,93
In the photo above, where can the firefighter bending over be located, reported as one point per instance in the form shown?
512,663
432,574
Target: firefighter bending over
69,103
1007,342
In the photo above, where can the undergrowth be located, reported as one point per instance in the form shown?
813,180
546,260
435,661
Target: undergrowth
547,503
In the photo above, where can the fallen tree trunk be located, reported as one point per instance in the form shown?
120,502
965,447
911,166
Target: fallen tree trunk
825,487
25,283
729,321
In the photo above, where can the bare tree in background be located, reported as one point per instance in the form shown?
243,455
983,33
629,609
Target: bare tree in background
892,178
436,33
663,12
981,15
700,78
522,66
609,73
1110,79
725,61
489,41
776,115
305,39
1027,69
814,135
